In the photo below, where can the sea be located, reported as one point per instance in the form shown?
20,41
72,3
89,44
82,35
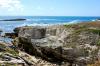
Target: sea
8,26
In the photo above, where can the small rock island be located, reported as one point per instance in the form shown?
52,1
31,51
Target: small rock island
18,19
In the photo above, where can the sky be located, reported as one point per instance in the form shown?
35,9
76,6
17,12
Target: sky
49,7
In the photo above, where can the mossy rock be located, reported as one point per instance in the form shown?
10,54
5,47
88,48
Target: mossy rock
98,43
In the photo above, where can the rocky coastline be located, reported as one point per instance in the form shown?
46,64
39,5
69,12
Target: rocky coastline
58,45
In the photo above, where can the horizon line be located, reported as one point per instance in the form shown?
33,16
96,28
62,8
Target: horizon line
47,16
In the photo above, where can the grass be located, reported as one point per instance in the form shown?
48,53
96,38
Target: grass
68,25
97,63
98,43
96,31
9,50
2,46
12,51
8,64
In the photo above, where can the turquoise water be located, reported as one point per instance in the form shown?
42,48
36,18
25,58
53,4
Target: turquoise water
8,26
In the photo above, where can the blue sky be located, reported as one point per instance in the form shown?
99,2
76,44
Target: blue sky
50,7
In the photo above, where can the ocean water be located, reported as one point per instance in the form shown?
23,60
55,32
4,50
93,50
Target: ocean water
8,26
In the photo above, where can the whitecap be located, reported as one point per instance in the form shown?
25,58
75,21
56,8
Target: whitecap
74,22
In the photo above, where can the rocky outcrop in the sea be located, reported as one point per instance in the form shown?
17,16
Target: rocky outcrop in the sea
11,35
18,19
0,31
17,29
76,44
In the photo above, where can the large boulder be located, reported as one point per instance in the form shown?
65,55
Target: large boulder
1,31
17,29
32,32
58,44
11,35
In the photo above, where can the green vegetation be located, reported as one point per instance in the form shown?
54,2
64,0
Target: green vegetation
96,31
8,64
79,26
6,49
12,51
68,25
83,27
2,46
98,43
79,30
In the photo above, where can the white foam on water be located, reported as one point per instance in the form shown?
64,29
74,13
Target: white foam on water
47,24
74,21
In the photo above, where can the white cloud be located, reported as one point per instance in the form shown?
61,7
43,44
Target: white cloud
11,5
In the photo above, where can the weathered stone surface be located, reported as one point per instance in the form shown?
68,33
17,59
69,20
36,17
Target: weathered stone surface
60,44
11,35
13,57
32,32
9,56
17,29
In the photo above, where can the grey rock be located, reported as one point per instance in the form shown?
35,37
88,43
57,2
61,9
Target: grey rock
58,44
17,29
11,35
1,30
32,32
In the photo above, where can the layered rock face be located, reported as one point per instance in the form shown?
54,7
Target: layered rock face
9,56
32,32
76,45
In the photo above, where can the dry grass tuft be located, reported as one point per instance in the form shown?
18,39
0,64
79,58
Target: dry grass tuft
97,63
